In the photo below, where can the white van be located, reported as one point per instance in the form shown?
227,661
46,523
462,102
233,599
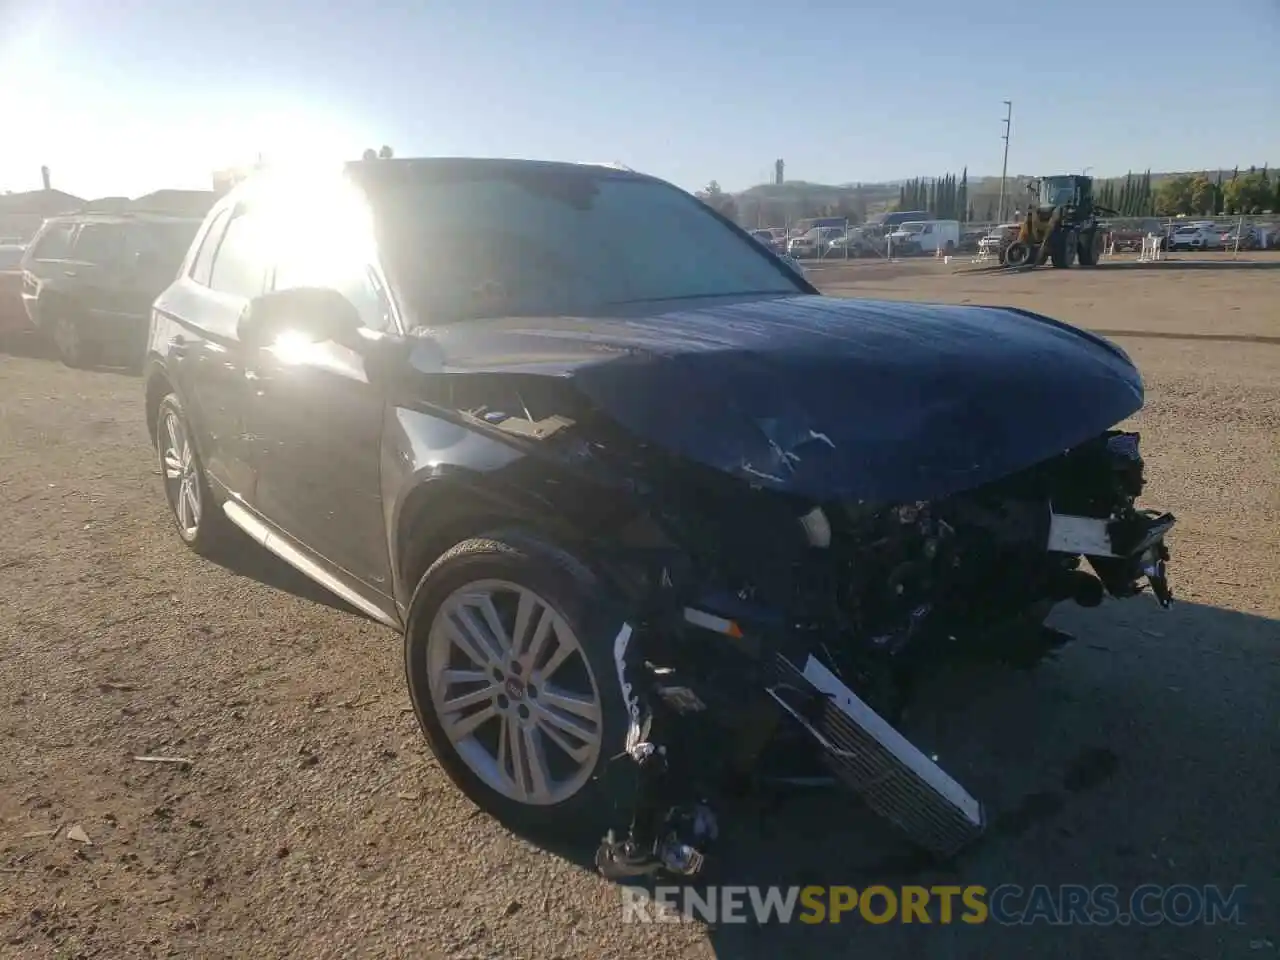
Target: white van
926,236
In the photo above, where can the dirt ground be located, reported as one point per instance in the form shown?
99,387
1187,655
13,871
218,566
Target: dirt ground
311,820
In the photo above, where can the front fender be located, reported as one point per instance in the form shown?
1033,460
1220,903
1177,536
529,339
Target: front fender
443,482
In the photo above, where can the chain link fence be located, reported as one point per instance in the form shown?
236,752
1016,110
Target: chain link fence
828,238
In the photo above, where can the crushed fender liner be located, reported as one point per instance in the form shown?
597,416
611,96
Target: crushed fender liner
895,779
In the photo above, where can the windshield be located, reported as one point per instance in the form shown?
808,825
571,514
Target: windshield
1055,191
534,240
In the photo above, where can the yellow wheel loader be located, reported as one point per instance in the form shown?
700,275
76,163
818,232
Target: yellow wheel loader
1061,225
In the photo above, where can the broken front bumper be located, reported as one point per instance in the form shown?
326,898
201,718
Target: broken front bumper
1127,553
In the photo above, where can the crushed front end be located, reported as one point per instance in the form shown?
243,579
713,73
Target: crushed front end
782,617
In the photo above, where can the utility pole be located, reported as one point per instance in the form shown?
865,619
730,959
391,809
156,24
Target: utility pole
1004,168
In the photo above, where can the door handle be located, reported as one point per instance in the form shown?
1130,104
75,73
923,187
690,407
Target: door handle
69,273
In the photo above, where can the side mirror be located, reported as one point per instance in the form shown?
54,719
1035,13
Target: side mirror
318,313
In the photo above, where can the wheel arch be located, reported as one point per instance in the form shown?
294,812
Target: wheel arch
442,511
158,386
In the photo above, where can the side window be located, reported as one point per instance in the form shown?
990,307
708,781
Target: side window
98,243
239,267
202,265
928,228
55,243
349,276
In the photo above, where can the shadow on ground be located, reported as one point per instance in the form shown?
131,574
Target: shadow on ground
248,558
1146,753
25,343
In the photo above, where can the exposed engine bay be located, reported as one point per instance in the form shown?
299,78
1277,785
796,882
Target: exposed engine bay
829,632
809,505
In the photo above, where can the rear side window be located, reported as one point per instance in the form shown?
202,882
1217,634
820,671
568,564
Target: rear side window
98,243
239,267
202,267
54,243
161,246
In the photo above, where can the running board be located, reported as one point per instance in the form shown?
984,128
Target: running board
296,558
891,775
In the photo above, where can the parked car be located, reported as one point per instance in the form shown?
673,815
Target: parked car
813,243
971,239
770,240
1195,236
1250,238
925,236
997,239
855,243
12,317
88,281
628,484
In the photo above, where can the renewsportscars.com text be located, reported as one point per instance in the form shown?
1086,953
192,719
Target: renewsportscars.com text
1007,905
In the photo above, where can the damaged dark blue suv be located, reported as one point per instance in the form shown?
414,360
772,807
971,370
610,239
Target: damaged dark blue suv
642,501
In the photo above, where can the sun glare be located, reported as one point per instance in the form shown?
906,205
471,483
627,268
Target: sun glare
316,216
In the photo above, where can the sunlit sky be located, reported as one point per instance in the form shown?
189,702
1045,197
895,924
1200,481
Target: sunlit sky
120,97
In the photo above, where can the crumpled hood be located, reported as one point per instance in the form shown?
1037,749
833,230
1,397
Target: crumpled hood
830,398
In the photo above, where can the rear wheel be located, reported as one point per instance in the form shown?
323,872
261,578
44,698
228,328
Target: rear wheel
1090,248
201,525
512,660
69,340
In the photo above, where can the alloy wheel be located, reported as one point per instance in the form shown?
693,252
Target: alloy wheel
513,692
181,475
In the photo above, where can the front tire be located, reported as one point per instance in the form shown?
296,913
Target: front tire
195,511
1017,254
512,651
1062,249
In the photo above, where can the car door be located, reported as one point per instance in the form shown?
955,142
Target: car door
203,350
318,420
101,282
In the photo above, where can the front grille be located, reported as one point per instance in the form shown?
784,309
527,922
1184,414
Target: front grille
892,776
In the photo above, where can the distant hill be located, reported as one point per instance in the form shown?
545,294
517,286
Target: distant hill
770,204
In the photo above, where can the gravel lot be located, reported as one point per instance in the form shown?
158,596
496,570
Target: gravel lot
313,822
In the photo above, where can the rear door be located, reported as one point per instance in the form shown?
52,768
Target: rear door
100,272
200,313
